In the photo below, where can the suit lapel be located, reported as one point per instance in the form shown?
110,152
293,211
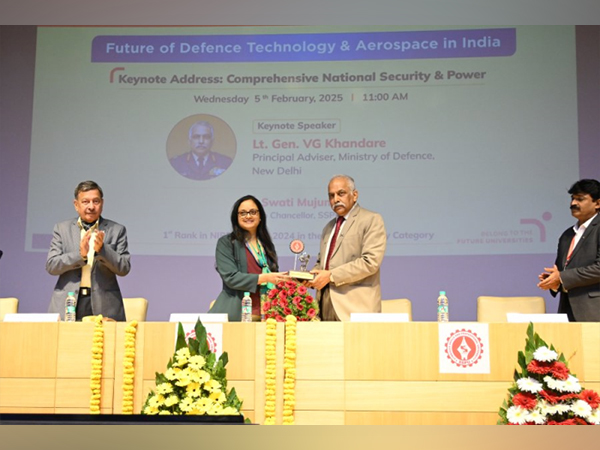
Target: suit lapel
75,234
588,231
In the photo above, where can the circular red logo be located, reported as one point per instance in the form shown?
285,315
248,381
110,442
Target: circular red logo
464,348
297,246
210,340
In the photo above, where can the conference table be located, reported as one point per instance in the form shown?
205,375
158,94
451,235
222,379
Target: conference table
346,373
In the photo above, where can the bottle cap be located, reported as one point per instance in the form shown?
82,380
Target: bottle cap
442,292
71,293
246,294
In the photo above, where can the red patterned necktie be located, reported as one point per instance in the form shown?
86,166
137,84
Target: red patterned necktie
338,224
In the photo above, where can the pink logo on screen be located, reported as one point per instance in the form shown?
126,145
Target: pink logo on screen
210,339
464,348
538,223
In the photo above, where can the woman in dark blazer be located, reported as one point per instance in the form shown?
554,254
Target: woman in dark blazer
246,260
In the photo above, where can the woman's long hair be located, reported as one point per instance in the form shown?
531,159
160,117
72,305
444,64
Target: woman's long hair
262,233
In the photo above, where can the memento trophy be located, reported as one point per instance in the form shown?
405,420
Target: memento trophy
297,247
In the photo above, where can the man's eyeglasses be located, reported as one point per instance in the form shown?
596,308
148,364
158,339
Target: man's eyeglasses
252,213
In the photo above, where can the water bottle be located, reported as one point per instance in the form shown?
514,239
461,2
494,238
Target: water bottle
246,308
70,307
442,307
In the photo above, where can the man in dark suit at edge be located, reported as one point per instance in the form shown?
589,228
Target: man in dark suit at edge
576,272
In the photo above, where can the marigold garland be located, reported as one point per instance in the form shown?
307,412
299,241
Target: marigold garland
96,373
289,383
128,367
270,371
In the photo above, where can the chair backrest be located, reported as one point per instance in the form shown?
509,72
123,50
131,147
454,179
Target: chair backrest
8,305
494,309
399,305
135,308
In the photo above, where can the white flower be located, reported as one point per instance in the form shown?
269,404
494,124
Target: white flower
544,407
553,383
537,417
581,408
560,408
545,354
572,384
594,417
529,385
517,415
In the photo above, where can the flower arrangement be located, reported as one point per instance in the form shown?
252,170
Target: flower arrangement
128,367
289,298
195,381
270,371
289,364
96,373
545,392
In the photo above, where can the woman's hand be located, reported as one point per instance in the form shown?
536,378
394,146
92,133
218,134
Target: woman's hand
273,277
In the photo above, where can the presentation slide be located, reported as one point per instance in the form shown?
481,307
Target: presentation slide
454,135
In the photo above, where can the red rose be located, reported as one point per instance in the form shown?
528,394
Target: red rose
590,397
309,299
282,295
300,306
301,290
559,370
266,306
311,313
297,299
290,284
273,293
287,311
525,400
539,367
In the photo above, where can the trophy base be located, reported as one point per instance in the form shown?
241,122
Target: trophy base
298,275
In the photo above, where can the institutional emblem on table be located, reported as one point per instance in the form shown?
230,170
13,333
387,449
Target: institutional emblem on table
464,348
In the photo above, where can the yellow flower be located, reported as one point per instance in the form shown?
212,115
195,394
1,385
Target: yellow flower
171,373
196,362
203,405
164,388
156,400
218,397
200,376
182,355
194,390
183,378
150,410
212,386
186,404
171,400
216,410
164,412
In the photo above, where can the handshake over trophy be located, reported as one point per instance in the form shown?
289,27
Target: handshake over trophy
297,247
